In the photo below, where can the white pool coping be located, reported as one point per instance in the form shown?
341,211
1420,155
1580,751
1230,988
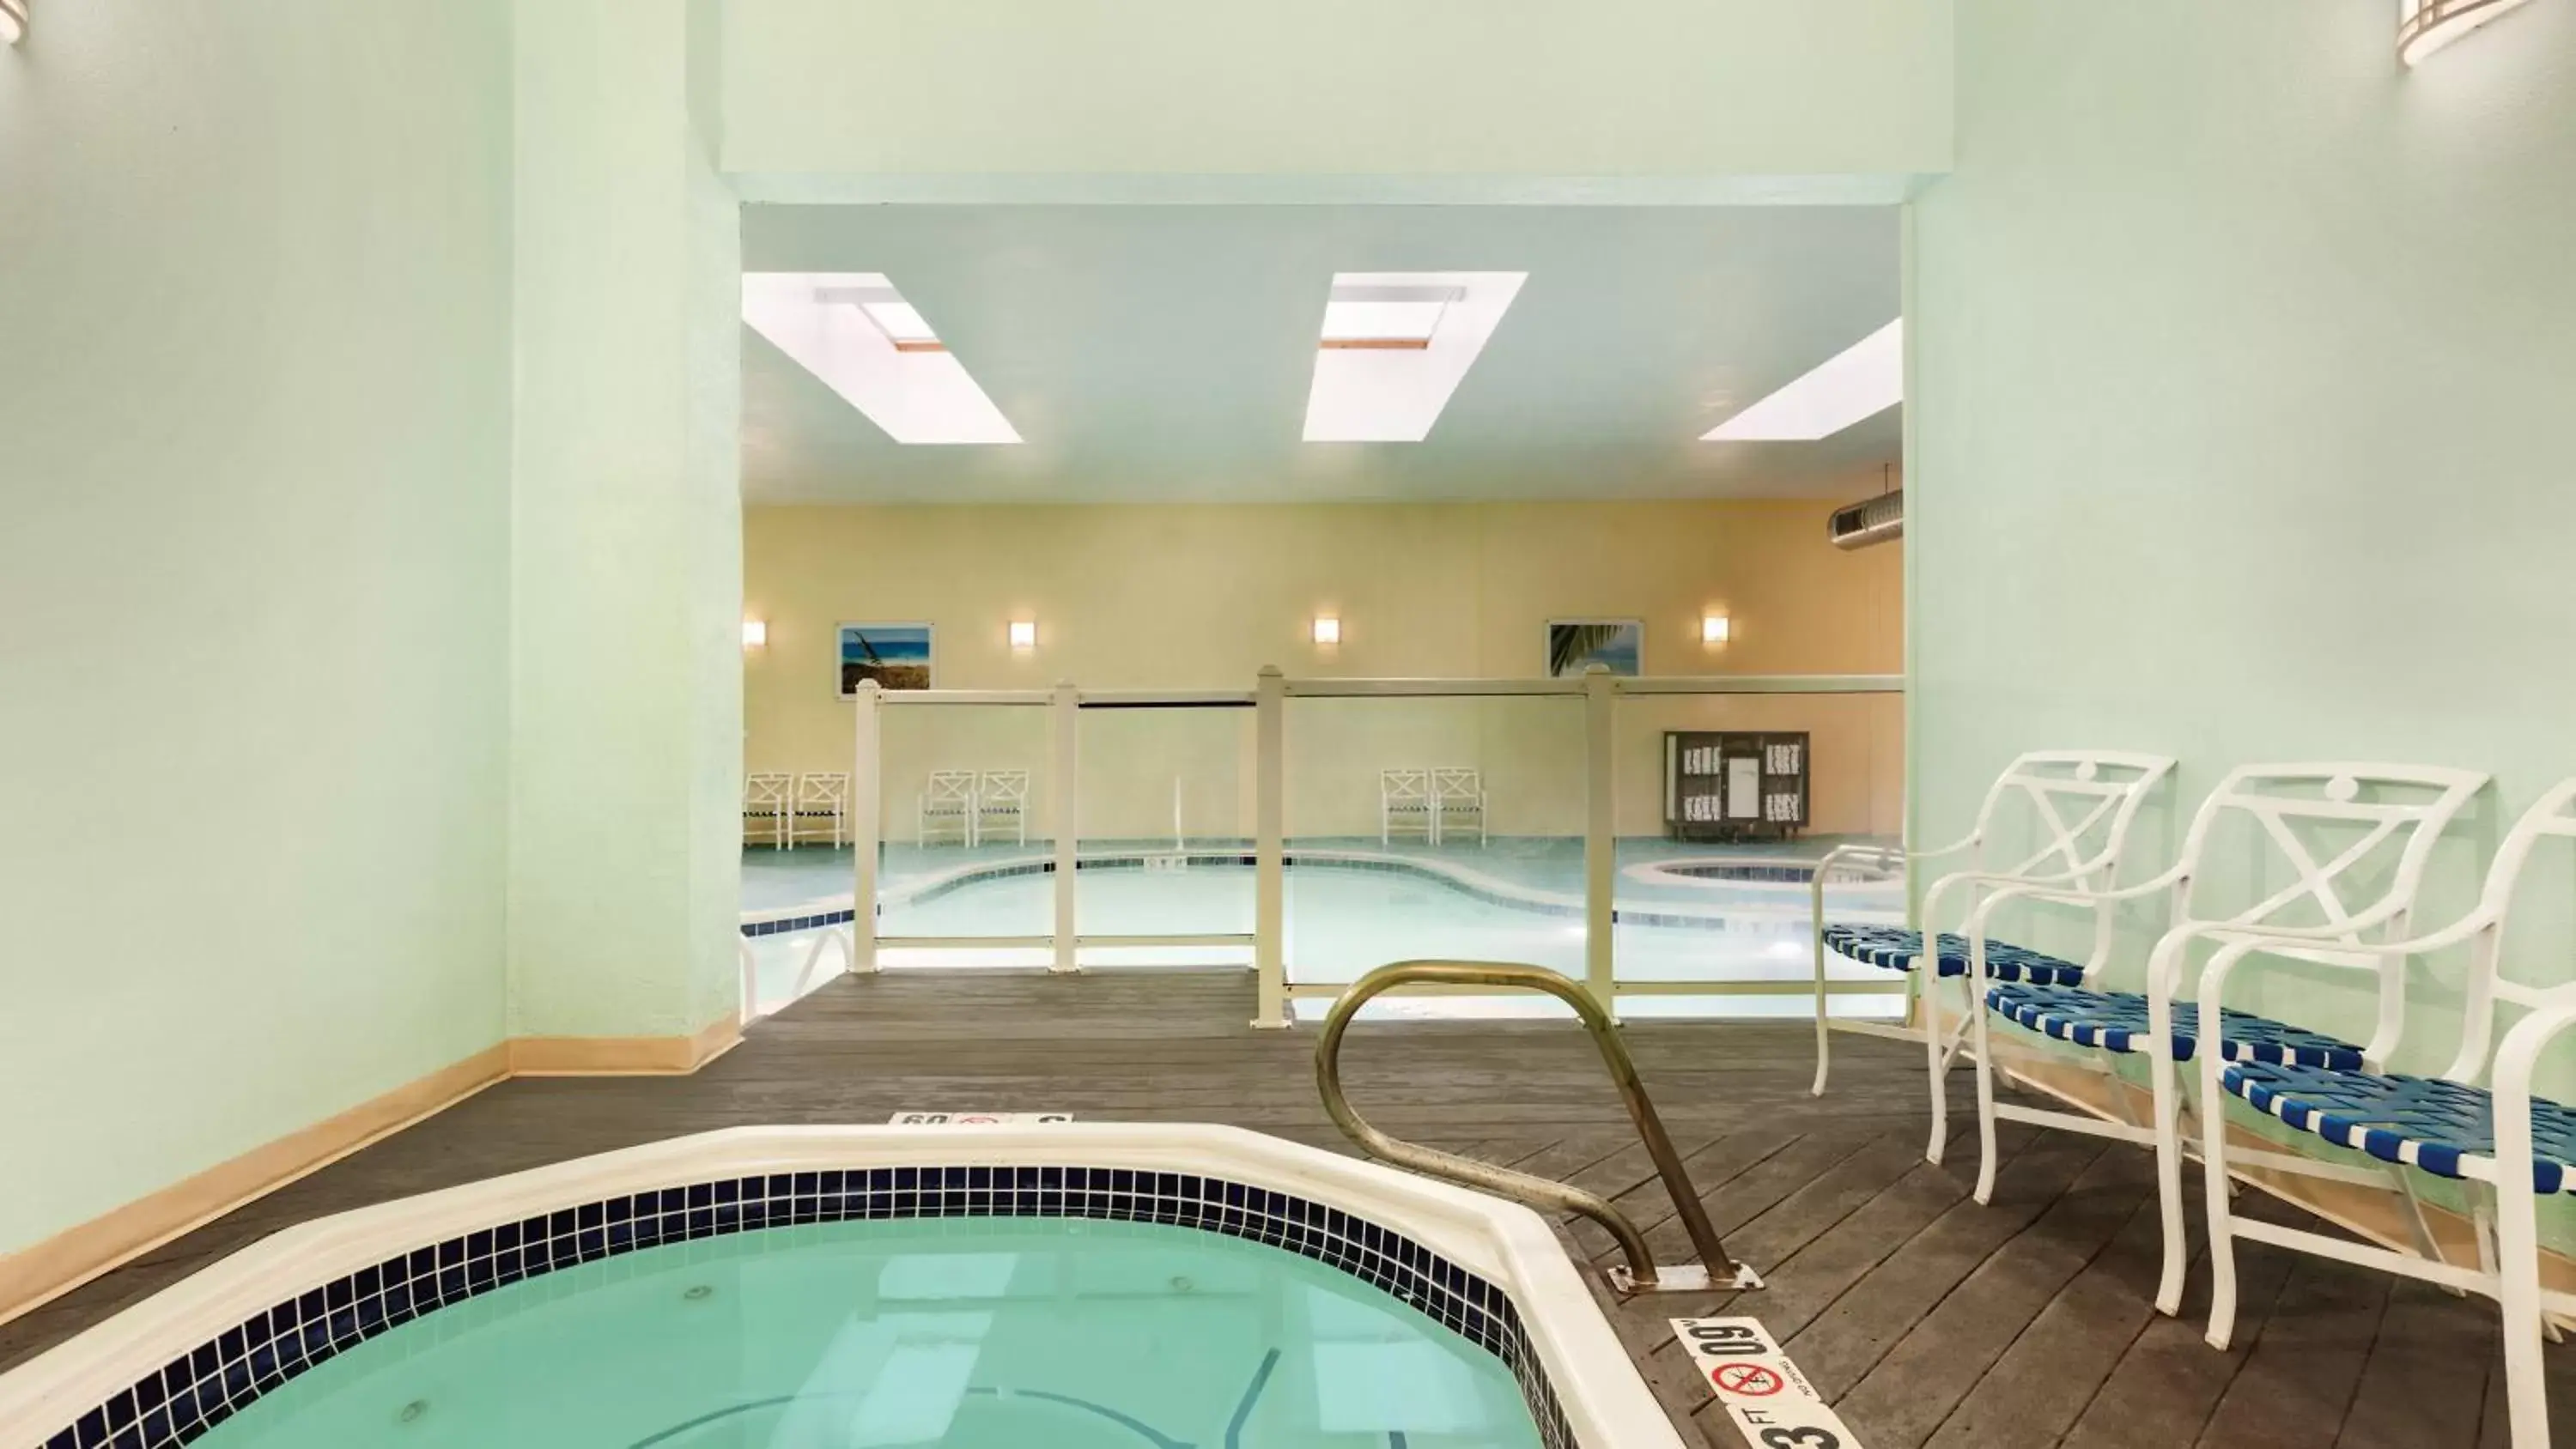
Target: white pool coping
1605,1400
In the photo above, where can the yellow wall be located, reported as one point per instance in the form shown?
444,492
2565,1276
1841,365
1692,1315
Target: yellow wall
1202,596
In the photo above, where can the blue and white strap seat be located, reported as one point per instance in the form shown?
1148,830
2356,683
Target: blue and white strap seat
2424,1122
2116,1021
1894,948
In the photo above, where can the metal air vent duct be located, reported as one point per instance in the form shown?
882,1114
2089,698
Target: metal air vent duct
1872,520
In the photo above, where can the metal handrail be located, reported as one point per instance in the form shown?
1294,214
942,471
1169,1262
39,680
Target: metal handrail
1640,1273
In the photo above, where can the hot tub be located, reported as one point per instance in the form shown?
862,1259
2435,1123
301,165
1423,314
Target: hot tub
1068,1285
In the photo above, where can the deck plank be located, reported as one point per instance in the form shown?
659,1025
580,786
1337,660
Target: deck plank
1903,1400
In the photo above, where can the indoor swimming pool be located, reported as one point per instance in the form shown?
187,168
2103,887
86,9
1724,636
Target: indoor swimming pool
1739,920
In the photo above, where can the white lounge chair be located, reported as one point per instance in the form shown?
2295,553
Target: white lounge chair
2477,1123
768,808
822,808
1002,804
1404,803
946,807
2075,808
1457,798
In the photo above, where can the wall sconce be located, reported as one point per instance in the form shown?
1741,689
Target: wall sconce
1715,628
1328,630
13,21
755,633
1024,633
2425,26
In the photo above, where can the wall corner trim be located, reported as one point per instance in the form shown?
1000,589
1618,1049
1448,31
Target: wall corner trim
622,1056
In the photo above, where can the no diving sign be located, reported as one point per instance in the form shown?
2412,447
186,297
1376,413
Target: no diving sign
976,1119
1772,1404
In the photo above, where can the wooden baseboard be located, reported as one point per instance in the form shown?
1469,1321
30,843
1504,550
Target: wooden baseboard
622,1056
74,1256
46,1270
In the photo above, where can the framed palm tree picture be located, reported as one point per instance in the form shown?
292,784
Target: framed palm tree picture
894,656
1574,645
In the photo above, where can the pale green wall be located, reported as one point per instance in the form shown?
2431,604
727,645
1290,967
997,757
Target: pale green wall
2244,361
254,576
1217,100
626,571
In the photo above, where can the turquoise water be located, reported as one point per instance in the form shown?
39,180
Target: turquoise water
967,1334
1342,923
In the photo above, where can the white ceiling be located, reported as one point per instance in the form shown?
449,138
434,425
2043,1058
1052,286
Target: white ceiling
1165,352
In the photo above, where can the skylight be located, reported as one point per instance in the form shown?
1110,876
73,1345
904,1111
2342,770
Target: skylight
855,332
1863,380
1395,346
901,322
1394,318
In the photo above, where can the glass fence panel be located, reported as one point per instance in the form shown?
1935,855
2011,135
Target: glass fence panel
1725,803
1433,827
1166,816
790,965
966,831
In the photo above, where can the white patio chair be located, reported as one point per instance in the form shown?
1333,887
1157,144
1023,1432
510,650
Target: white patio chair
2078,806
1002,803
945,807
822,807
2477,1123
2354,867
1457,797
768,807
1404,803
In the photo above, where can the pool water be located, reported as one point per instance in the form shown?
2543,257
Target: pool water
966,1334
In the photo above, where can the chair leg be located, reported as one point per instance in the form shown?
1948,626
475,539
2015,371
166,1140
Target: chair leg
2218,1203
1824,1032
2518,1251
1932,1063
1982,1042
2168,1131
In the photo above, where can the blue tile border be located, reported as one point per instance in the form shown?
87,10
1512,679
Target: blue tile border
207,1385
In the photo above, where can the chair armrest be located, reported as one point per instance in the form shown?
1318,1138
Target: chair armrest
2058,892
2519,1057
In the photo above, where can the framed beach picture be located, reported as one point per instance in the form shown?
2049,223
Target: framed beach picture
896,656
1574,645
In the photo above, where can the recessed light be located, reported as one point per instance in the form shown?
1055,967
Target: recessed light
1328,630
755,633
1861,381
1024,633
1715,628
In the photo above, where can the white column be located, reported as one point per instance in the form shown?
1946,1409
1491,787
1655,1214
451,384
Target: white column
1600,806
625,589
867,823
1270,857
1063,789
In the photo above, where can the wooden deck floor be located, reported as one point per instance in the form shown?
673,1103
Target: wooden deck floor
1928,1319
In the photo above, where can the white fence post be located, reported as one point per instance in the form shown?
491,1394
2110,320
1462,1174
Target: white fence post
1270,857
867,791
1063,789
1600,839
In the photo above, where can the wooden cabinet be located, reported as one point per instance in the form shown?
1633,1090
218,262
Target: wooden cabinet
1735,784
